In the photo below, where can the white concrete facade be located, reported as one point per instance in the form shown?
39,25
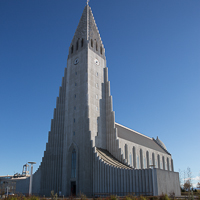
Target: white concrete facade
87,151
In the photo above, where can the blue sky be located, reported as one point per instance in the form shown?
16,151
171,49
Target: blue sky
153,57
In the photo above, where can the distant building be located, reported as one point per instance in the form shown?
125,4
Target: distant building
87,151
8,183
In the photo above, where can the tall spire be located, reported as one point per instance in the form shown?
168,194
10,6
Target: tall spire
87,28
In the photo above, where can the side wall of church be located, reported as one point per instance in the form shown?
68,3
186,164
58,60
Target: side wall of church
142,157
109,179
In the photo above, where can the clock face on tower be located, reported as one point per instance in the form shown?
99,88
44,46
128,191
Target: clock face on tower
76,61
96,61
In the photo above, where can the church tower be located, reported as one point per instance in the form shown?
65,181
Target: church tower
79,122
87,151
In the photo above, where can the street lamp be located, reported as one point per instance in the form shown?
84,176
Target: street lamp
30,184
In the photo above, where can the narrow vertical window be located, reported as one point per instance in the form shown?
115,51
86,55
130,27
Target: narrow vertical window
134,158
82,42
153,158
145,163
75,96
77,45
96,46
158,161
163,160
168,164
101,50
141,159
147,157
73,164
161,164
130,160
126,152
91,42
138,162
72,48
74,120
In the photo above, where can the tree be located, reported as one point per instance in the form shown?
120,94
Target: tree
187,185
187,180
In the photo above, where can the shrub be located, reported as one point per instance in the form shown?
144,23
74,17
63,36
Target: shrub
131,197
82,196
153,198
164,197
53,196
34,198
113,197
142,198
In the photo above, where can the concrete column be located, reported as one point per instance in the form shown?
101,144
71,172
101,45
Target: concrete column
146,181
140,180
100,176
137,181
119,181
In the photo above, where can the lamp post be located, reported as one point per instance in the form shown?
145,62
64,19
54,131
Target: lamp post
30,184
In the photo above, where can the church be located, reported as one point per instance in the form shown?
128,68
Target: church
87,151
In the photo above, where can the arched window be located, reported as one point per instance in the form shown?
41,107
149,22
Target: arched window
147,156
82,42
134,158
163,160
126,152
153,159
73,164
72,48
138,162
91,42
156,164
144,163
172,166
130,160
141,159
158,161
168,164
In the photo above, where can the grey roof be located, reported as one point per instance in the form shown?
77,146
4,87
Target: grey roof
138,138
110,160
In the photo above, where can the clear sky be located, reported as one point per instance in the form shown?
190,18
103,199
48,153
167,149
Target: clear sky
153,58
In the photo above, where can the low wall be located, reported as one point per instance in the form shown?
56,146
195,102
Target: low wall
168,182
22,186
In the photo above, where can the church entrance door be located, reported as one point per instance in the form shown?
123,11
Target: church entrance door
73,188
